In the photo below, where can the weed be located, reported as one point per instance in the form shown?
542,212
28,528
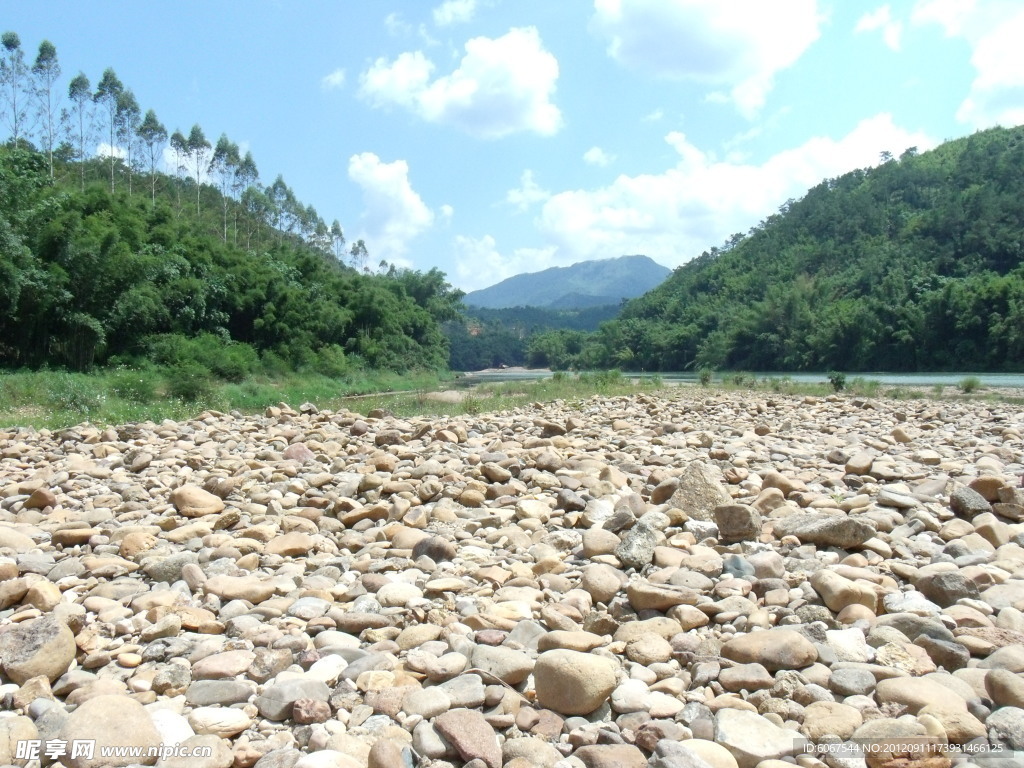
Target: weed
970,384
837,380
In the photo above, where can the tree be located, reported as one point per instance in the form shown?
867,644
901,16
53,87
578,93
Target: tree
80,96
224,163
13,73
179,145
153,136
107,95
45,72
127,128
338,240
198,148
246,175
359,257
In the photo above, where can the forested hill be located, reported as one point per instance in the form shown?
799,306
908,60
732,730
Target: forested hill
108,260
584,284
917,264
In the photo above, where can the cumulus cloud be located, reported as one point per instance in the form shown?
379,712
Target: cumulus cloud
527,194
334,80
739,45
951,15
393,212
993,29
502,86
479,263
675,215
106,150
597,156
881,20
454,12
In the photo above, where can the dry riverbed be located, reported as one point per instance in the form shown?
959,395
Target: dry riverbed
683,579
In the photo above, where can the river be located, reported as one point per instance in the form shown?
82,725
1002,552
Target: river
1000,380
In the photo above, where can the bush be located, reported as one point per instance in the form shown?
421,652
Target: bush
72,392
970,384
229,360
331,362
190,382
705,375
837,380
134,386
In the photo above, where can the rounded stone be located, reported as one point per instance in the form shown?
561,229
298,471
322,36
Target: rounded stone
111,721
43,647
573,683
774,648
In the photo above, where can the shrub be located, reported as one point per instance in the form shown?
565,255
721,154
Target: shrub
837,380
229,360
705,375
331,362
190,382
134,386
71,392
970,384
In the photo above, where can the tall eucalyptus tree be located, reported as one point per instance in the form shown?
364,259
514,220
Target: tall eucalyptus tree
45,72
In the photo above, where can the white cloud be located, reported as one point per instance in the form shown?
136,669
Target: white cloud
527,194
881,20
952,15
394,214
447,212
675,215
106,150
334,80
655,116
479,263
740,45
396,25
993,29
454,12
597,156
502,86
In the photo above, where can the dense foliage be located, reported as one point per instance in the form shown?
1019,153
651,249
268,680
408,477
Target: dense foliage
105,259
917,264
489,338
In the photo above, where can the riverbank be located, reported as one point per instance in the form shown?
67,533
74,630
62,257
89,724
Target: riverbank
612,580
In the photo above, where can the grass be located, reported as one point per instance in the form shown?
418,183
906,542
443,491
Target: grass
58,399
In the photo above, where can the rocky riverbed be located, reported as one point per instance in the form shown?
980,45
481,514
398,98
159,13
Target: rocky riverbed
679,580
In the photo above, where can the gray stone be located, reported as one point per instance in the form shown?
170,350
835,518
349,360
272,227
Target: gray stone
203,693
826,530
1006,727
968,503
275,703
737,522
700,491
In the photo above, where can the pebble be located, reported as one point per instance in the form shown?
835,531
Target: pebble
624,581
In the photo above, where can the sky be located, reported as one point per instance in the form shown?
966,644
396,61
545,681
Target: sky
493,137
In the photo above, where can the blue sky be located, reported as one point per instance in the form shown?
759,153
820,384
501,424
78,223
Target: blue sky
492,137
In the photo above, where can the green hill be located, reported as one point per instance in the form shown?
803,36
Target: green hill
915,265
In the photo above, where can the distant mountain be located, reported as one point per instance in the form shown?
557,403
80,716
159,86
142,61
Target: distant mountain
584,284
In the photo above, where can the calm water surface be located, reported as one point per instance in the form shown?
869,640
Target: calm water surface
1006,380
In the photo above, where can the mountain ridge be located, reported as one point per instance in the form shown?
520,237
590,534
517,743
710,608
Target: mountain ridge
583,284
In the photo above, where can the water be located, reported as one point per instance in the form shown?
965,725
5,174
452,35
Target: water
1003,380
